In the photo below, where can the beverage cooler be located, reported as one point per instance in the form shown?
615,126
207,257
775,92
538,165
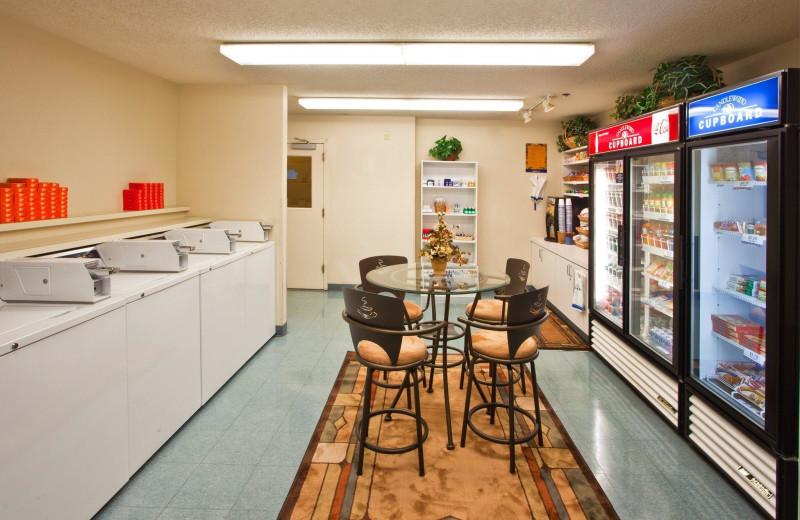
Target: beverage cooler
635,252
742,331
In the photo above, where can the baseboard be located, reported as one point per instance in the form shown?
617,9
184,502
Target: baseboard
339,286
578,331
282,330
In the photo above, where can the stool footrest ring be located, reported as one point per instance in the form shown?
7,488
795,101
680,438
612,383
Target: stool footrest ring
392,451
514,380
459,360
502,440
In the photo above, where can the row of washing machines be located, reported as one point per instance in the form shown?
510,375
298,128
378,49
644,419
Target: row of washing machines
105,352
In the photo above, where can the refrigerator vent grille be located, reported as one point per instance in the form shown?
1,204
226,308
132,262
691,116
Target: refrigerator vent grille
660,390
746,463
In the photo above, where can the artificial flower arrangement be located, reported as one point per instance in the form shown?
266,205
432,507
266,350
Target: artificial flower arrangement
439,247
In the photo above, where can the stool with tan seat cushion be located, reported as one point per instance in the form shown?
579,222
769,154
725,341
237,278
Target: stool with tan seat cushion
511,346
382,343
413,312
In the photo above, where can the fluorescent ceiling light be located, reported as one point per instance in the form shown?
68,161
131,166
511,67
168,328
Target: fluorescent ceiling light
508,54
479,105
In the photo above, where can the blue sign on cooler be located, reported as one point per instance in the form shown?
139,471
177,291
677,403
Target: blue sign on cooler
756,104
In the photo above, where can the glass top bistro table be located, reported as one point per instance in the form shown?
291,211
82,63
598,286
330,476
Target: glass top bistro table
458,280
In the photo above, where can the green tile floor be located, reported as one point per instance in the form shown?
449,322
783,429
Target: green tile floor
236,457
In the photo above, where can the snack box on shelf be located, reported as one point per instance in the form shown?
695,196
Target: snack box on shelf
737,324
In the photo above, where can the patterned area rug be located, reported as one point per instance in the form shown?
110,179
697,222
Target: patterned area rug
559,335
474,482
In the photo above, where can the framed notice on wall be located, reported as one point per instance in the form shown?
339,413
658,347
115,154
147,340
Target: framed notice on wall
536,157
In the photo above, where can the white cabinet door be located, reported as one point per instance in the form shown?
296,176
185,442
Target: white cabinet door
542,266
222,325
64,417
560,294
163,366
260,299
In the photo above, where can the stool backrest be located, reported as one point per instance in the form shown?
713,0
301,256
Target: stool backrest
517,270
374,262
376,311
528,308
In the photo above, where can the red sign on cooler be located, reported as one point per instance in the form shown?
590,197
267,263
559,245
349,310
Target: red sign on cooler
656,128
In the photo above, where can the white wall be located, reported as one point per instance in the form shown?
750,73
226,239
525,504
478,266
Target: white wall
232,159
776,58
76,117
369,185
506,218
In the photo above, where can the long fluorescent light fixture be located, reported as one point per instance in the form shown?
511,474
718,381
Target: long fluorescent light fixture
465,54
443,105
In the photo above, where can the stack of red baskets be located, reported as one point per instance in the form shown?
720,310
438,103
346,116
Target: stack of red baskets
143,195
27,199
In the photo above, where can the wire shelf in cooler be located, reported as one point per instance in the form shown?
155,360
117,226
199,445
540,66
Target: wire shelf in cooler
749,354
615,286
614,319
666,284
742,296
658,251
746,238
658,179
739,184
663,217
659,308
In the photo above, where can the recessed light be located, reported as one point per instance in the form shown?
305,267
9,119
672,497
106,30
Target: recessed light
474,105
465,54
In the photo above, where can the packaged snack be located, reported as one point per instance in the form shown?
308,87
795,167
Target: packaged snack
760,170
762,295
731,172
762,284
745,171
760,229
737,324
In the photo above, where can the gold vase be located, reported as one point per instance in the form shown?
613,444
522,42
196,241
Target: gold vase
439,265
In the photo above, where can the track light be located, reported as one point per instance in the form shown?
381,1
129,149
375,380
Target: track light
527,116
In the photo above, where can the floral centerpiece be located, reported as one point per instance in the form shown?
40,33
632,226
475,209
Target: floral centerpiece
439,247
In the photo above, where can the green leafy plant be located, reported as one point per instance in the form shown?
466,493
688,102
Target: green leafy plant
446,149
686,77
575,133
673,81
626,106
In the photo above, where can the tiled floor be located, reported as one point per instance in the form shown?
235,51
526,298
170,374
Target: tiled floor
237,457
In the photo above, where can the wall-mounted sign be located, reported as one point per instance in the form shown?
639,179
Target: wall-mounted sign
756,104
536,158
656,128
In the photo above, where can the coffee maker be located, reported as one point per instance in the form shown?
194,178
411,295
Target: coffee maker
551,216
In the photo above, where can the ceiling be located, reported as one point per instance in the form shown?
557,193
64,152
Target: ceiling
179,40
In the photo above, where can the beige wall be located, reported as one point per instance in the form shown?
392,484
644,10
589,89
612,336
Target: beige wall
779,57
73,116
232,159
369,185
506,218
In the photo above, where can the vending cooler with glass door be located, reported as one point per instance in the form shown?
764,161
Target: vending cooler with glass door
635,251
741,399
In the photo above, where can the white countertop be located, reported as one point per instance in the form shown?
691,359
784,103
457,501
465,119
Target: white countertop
574,254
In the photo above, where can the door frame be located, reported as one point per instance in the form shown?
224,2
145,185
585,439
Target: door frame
323,143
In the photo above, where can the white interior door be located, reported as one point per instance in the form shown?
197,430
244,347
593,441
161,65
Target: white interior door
305,253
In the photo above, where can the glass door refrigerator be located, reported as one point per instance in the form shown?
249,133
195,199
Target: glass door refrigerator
742,384
635,251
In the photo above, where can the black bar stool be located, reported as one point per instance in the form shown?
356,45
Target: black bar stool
413,312
382,343
512,346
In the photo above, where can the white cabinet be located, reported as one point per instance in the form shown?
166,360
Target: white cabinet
163,366
557,272
260,299
222,325
64,420
542,268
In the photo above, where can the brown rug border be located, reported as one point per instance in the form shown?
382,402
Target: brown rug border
570,331
302,472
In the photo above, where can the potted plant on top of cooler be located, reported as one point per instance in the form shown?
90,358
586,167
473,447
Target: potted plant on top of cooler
673,81
440,249
446,149
575,133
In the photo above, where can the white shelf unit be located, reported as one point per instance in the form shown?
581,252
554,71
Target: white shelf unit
571,163
465,196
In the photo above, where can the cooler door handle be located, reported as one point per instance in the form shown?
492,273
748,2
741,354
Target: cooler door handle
620,246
